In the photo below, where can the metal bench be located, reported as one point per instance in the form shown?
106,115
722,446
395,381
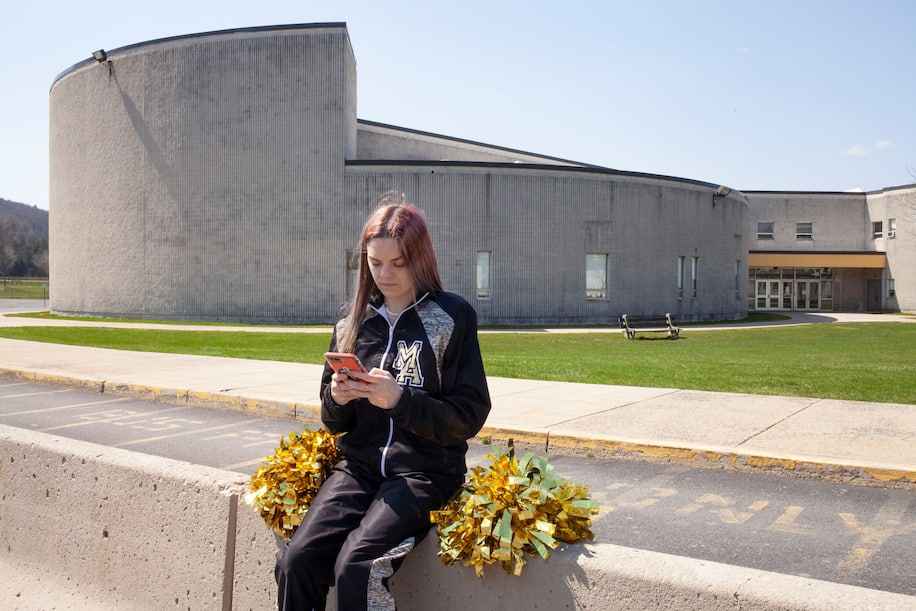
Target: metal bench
662,324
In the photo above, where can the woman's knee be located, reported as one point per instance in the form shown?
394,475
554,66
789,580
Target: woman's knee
298,560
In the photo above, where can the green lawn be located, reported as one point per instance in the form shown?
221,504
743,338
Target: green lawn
865,361
23,289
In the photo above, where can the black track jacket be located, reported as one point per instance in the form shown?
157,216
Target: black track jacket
432,351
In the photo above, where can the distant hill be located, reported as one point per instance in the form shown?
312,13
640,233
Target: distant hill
23,239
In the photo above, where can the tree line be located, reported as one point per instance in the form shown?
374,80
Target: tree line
23,250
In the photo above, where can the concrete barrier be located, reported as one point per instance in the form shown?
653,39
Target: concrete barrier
146,532
88,526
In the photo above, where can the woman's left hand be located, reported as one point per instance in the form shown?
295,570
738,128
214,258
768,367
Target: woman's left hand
381,388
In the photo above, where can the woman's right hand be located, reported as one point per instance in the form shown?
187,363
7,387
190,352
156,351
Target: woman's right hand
344,388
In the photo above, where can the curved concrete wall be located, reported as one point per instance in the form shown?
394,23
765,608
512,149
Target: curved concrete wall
201,178
898,204
540,224
375,141
206,177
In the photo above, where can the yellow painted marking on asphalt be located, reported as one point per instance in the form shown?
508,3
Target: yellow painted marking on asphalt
786,523
170,436
33,394
723,507
246,463
655,488
269,438
888,522
162,423
658,493
60,407
103,420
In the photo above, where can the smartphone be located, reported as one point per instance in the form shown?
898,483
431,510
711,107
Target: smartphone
342,362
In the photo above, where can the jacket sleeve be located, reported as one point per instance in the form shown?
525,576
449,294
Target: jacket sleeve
459,412
337,418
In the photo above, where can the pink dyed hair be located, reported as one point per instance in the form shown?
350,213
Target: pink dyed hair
394,218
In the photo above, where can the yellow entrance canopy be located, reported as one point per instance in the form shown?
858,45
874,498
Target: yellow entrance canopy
771,258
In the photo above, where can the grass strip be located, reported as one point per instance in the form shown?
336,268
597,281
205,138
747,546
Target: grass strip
859,361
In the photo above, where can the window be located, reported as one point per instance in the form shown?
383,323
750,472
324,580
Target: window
737,276
891,288
891,228
804,231
352,265
765,230
877,229
596,276
483,274
680,274
694,265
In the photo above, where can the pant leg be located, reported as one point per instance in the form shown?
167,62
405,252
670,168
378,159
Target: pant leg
304,569
396,519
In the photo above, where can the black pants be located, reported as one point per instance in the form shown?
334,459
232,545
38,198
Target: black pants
355,535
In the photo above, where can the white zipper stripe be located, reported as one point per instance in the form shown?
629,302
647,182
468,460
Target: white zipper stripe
391,327
387,444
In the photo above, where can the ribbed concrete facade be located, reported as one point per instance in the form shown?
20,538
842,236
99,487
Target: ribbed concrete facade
203,177
899,205
224,176
844,222
540,224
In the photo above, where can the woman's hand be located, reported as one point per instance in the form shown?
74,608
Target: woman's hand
344,388
378,386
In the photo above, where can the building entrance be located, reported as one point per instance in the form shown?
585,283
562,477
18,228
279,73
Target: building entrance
793,289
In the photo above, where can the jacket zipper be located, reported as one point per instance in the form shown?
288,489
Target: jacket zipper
391,327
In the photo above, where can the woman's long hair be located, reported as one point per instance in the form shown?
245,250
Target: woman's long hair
393,218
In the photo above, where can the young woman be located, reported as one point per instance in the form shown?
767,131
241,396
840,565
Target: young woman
406,423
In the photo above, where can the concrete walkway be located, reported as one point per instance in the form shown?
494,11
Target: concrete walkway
847,438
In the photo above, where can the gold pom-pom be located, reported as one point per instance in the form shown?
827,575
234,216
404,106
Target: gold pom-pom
510,509
287,481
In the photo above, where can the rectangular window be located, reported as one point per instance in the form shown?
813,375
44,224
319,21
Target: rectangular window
680,273
765,230
891,288
877,229
352,265
891,228
804,231
694,265
483,274
596,276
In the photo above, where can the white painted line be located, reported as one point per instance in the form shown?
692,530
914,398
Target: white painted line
204,430
41,410
107,420
32,394
13,384
247,463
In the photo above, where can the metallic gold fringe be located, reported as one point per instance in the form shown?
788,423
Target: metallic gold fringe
510,509
288,480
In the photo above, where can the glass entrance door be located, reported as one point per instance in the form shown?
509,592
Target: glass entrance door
808,295
787,294
774,295
801,293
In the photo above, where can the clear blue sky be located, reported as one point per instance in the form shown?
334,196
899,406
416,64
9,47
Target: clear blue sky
775,95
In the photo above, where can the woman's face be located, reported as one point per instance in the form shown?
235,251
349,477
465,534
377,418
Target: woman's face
390,271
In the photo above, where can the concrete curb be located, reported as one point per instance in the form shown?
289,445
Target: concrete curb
704,456
181,535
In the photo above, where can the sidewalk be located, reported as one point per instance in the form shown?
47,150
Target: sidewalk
872,441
